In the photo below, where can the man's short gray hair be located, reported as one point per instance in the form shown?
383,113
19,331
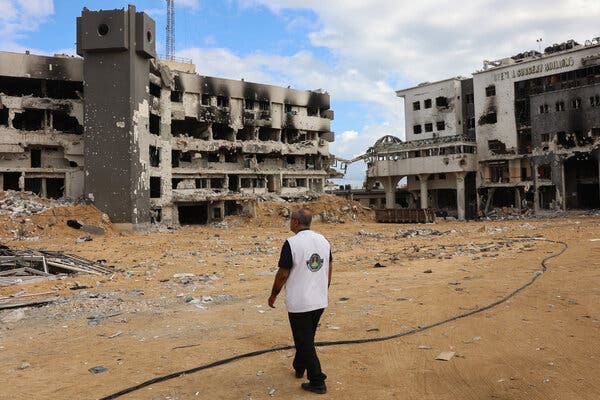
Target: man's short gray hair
303,216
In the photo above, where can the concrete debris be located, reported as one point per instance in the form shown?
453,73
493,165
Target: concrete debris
445,355
409,233
46,263
24,365
13,316
98,369
27,203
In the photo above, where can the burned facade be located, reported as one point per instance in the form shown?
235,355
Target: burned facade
531,124
146,139
542,149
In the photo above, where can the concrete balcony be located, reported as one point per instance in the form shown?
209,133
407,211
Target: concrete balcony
257,118
306,123
440,164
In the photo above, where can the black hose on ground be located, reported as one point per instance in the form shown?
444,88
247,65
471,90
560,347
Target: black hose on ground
163,378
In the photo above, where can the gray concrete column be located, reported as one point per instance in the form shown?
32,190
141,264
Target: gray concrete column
423,181
518,198
460,195
389,185
564,186
1,182
536,189
43,190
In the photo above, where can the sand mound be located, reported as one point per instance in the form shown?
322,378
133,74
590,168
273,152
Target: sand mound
328,209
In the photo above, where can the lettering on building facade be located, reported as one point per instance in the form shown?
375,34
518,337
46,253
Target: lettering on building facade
534,69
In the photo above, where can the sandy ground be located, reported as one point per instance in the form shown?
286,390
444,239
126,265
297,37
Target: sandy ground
544,343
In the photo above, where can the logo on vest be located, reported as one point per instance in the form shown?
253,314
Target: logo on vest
314,263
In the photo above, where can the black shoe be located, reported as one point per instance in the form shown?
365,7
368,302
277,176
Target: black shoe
310,387
299,373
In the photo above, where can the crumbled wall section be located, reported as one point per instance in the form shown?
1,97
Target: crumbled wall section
41,124
148,140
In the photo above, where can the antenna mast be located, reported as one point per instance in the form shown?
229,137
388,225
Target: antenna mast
170,48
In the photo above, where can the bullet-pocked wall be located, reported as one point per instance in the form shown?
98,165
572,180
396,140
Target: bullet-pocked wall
116,46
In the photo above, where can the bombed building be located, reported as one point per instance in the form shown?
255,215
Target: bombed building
439,157
147,139
523,132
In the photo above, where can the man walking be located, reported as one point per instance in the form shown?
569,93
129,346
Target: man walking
305,271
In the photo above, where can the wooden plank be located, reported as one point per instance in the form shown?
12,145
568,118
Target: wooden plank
70,268
30,303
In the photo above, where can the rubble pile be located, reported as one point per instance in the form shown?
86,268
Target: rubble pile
19,263
26,203
409,233
509,213
327,209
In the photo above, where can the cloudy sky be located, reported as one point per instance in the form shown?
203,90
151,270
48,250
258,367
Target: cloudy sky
360,51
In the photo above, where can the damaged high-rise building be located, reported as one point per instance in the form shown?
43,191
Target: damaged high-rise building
147,139
522,132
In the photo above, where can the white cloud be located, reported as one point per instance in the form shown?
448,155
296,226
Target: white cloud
37,8
19,17
379,46
193,4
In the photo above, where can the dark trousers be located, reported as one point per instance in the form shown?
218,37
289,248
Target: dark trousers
304,326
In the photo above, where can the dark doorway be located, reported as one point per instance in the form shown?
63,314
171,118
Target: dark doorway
234,183
504,197
36,158
196,214
11,181
55,188
33,185
581,182
233,208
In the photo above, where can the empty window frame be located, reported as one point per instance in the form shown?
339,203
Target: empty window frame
154,187
249,104
206,99
490,91
576,103
176,96
416,105
595,101
417,129
559,106
441,102
154,156
440,125
427,103
543,108
429,127
222,101
264,106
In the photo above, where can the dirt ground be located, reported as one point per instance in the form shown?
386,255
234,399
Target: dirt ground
145,321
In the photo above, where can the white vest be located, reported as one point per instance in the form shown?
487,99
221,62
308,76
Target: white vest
306,286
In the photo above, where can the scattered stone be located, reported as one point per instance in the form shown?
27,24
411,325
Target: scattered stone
378,265
114,335
13,316
445,356
272,392
344,298
427,271
259,373
472,340
422,347
98,369
373,330
25,365
83,239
